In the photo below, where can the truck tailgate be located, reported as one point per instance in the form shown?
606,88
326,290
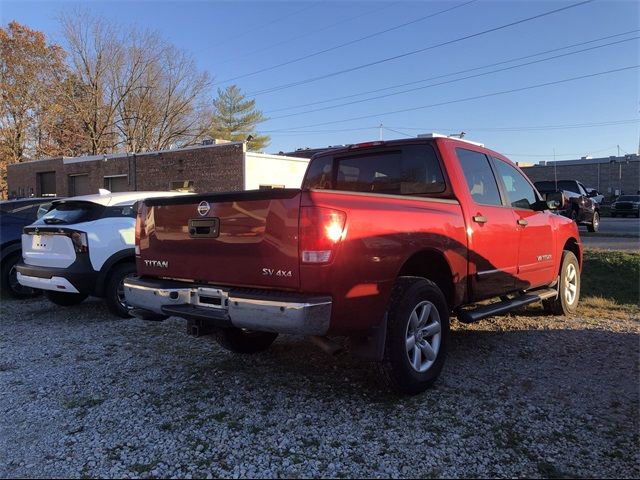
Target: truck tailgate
241,238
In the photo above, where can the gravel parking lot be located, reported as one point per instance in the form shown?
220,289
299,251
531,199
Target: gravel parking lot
85,394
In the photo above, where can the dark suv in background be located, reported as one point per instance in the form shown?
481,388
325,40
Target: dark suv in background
14,216
581,208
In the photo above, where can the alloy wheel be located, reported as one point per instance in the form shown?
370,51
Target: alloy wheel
423,336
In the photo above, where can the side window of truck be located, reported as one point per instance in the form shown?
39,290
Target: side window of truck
520,193
319,174
480,179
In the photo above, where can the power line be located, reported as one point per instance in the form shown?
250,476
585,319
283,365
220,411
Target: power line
400,85
557,154
476,97
465,128
309,33
453,80
342,45
529,128
414,52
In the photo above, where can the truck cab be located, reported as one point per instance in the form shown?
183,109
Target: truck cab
383,242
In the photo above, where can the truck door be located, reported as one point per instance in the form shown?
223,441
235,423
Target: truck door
491,229
587,205
535,256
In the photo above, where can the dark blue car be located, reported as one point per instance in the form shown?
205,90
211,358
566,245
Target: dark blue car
14,216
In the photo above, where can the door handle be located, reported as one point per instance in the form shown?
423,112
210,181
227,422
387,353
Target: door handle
480,219
523,222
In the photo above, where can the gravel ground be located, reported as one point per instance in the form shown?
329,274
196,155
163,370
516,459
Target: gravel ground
85,394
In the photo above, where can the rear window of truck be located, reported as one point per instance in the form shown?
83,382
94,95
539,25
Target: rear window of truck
408,170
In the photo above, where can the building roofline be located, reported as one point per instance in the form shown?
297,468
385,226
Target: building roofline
108,156
278,157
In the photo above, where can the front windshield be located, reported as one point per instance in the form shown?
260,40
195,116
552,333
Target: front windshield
629,198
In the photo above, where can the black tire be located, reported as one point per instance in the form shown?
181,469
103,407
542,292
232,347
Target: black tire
9,280
594,226
561,305
65,299
244,341
114,289
396,369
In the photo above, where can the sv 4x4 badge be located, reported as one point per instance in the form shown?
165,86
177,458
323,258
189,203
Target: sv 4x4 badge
271,272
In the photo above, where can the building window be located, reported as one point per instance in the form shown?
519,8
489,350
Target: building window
46,184
79,185
116,183
182,186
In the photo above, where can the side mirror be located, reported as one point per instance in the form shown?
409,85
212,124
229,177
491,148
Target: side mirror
556,201
592,193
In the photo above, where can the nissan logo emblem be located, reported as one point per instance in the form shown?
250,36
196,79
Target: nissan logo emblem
203,208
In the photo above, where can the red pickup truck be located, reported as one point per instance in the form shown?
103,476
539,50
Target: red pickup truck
383,242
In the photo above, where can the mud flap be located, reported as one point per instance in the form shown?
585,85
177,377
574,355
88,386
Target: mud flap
370,346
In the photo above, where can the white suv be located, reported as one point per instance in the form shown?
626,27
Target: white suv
84,246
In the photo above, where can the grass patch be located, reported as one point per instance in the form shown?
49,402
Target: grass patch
611,278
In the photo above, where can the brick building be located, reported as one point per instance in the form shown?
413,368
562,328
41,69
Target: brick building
611,176
202,168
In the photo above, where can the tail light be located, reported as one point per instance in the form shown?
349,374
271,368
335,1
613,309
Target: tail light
80,243
138,228
321,229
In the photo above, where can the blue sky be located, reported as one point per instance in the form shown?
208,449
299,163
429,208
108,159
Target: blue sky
235,39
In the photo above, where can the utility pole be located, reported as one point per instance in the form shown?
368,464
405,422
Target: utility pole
381,128
618,149
555,171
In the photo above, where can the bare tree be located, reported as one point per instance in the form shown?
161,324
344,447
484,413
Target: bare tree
95,54
137,91
166,100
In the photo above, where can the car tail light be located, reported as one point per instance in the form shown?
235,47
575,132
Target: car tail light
80,243
321,229
138,228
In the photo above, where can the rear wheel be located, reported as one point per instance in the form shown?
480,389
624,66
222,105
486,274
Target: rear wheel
9,279
114,289
65,299
594,226
566,302
417,336
239,340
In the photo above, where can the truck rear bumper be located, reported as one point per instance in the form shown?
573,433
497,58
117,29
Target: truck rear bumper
267,311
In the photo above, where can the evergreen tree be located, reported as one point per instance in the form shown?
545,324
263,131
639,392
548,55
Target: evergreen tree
235,119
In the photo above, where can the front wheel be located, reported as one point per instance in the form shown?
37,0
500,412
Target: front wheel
65,299
239,340
114,289
594,226
566,303
417,336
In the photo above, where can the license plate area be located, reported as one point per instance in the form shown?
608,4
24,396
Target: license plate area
41,242
204,227
212,298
